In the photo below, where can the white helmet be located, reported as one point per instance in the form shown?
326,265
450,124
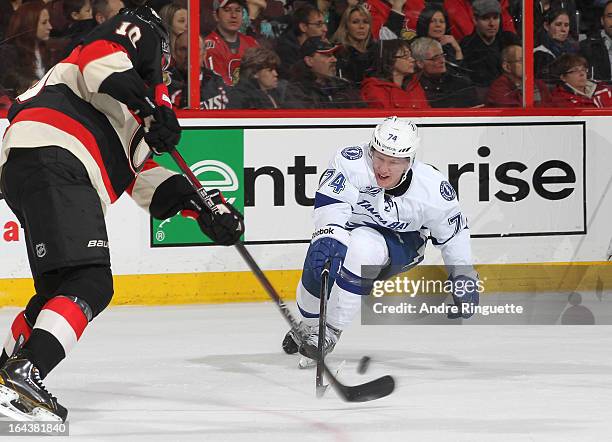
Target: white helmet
396,138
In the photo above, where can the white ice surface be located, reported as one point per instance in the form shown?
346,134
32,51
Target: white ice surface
217,373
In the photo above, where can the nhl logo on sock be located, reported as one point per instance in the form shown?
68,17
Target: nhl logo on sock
41,250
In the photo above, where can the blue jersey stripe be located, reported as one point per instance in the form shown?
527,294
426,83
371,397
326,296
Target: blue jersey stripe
322,200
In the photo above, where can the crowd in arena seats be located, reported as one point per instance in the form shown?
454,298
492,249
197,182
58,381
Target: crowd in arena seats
393,85
321,54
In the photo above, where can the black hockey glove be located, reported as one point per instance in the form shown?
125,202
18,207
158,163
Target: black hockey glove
224,228
164,132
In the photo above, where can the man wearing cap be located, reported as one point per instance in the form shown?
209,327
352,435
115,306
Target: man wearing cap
461,13
314,80
226,45
482,48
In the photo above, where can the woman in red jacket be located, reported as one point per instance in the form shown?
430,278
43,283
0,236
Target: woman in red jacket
394,86
574,89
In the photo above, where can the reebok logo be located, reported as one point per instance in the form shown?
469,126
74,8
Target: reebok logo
323,231
97,243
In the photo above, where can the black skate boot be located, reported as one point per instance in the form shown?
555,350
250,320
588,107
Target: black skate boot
291,343
310,346
23,395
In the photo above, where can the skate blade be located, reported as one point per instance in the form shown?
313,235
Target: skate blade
44,415
38,414
321,389
7,408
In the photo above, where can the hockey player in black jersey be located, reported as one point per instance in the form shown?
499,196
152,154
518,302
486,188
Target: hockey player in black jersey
77,140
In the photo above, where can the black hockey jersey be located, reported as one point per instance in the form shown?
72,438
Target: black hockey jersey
92,103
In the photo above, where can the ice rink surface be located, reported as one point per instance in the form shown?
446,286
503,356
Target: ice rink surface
217,373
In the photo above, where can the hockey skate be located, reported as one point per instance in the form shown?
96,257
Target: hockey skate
23,396
291,342
310,347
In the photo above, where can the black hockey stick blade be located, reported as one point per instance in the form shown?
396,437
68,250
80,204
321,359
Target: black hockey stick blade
376,389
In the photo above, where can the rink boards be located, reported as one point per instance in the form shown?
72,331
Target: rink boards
534,189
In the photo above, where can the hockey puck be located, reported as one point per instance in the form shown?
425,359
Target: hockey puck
364,363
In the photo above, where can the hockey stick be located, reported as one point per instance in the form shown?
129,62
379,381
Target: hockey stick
369,391
320,388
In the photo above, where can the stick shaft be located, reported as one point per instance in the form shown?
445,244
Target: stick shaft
320,389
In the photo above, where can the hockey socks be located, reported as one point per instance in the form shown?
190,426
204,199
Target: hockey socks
17,336
59,326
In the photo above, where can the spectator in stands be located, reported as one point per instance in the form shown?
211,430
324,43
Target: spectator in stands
259,86
174,16
255,8
101,10
25,54
332,11
597,49
307,21
324,6
442,88
77,10
461,17
314,81
226,45
393,86
79,14
541,8
58,19
213,91
7,8
394,18
104,9
574,89
482,48
264,20
555,41
252,21
355,40
507,89
433,23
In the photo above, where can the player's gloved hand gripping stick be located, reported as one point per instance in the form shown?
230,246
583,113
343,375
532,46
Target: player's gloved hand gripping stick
375,389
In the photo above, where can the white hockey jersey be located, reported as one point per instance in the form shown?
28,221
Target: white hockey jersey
348,196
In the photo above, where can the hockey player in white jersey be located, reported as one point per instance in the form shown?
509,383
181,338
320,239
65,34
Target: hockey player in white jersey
377,206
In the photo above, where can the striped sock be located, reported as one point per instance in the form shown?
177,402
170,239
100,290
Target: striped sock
18,334
59,326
